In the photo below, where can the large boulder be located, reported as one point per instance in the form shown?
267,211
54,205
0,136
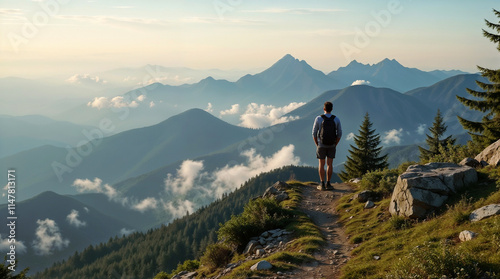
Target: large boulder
490,154
423,188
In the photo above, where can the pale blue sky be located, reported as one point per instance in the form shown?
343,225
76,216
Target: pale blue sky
77,36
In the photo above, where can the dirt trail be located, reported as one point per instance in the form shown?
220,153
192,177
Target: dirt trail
320,206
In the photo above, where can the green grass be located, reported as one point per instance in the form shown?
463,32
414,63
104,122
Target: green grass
306,239
426,249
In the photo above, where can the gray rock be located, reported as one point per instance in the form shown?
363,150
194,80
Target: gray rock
262,265
484,212
277,234
262,241
365,195
271,191
369,204
467,235
473,163
281,197
260,252
250,248
490,154
281,186
265,234
185,275
423,188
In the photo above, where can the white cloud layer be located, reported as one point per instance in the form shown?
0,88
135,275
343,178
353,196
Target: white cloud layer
146,204
5,245
48,237
360,82
179,208
115,102
72,219
210,107
233,110
260,115
86,79
350,136
230,177
393,136
86,185
187,175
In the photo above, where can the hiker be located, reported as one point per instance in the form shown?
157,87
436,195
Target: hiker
326,133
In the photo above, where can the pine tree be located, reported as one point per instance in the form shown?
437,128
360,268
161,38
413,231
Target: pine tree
365,156
434,141
488,101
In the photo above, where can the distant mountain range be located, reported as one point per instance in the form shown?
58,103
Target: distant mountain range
288,80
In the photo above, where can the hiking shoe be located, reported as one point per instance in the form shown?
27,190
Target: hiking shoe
321,187
329,186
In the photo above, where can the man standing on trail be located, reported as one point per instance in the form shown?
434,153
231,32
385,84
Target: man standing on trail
326,133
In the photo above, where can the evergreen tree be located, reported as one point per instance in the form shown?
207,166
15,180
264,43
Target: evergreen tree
434,141
365,156
488,101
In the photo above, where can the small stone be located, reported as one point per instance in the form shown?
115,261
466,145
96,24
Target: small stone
369,204
279,273
260,252
467,235
262,265
376,258
265,234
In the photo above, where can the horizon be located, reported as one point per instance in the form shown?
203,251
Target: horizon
64,38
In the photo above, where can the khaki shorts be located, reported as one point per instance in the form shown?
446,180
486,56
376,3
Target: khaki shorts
323,152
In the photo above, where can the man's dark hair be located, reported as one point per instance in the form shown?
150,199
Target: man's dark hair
328,107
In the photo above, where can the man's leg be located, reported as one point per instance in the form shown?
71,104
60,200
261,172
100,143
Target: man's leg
329,169
321,169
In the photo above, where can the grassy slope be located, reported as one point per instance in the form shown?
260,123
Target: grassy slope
427,248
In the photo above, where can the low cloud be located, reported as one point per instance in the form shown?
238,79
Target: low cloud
192,184
179,208
115,102
209,108
5,245
86,79
360,82
188,173
152,104
48,238
350,136
261,115
86,185
72,219
421,129
230,177
146,204
393,136
126,232
233,110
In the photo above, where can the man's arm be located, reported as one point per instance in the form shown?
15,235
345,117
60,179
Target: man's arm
339,129
315,131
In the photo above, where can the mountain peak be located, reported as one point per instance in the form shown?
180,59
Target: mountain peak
390,62
287,57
